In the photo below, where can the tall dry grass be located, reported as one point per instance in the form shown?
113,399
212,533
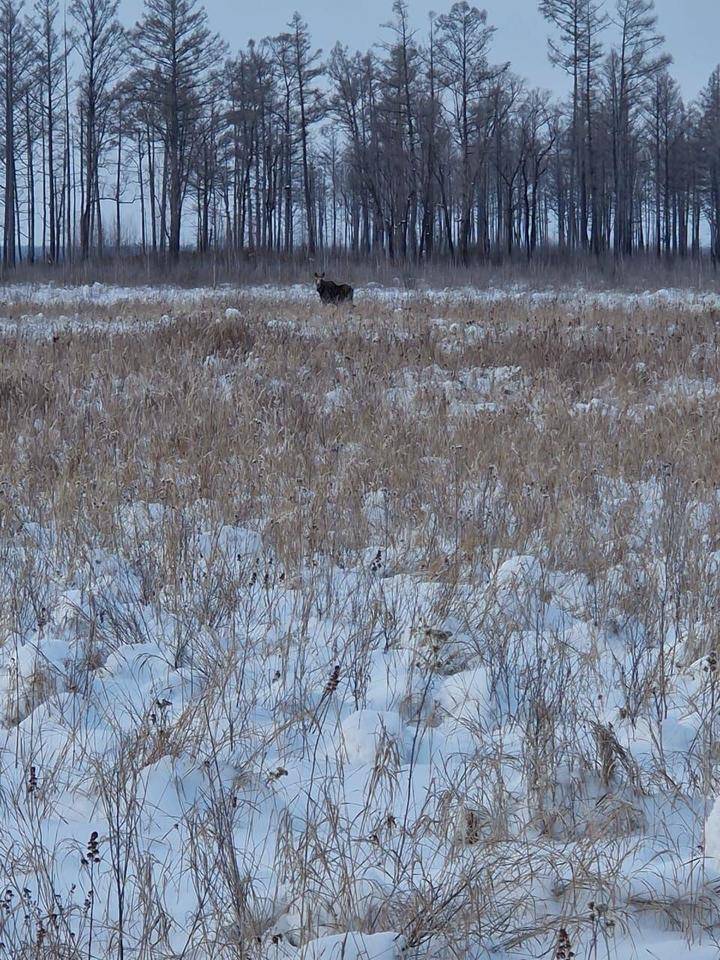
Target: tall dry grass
422,444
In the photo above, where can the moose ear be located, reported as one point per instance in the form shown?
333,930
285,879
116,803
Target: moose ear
322,274
317,276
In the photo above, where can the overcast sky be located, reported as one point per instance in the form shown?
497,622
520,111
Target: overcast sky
691,28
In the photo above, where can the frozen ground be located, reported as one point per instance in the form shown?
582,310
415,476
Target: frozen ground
359,635
33,310
106,295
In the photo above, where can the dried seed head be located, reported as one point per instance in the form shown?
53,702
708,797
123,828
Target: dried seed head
334,681
563,950
93,848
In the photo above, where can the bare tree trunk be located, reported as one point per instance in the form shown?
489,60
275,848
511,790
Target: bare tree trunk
30,182
141,187
118,170
9,256
69,180
153,192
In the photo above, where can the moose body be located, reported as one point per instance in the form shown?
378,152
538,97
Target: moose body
331,292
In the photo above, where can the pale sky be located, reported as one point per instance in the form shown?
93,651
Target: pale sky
691,28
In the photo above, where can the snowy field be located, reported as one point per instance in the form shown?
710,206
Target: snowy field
100,295
365,633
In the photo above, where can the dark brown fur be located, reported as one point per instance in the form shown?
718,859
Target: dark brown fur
331,292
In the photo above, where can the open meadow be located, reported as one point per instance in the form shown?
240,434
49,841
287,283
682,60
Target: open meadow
381,631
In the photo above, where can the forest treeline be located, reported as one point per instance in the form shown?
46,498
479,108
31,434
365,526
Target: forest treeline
423,147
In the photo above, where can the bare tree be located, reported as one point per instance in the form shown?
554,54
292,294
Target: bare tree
301,63
631,68
464,71
50,70
577,50
100,43
709,154
16,47
176,57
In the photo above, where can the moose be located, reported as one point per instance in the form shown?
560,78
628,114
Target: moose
331,292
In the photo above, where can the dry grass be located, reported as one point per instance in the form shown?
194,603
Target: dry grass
231,410
359,436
